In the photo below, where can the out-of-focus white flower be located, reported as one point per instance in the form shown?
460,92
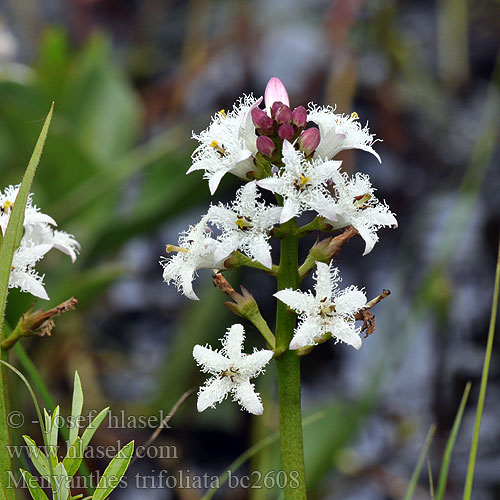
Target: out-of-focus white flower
196,250
231,371
42,234
23,274
357,206
330,311
228,144
339,132
245,225
38,238
303,184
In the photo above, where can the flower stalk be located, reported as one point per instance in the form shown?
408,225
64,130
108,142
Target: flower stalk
288,373
245,306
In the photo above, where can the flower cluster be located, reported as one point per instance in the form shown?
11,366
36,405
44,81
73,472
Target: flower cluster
290,153
38,238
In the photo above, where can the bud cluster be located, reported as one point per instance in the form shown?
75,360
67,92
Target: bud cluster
283,124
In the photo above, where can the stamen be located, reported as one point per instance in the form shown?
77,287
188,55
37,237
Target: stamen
354,116
360,200
243,222
302,182
230,372
220,149
6,206
222,112
173,248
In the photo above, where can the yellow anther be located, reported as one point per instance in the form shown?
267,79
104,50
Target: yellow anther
359,201
220,149
7,204
354,115
222,112
304,180
243,222
173,248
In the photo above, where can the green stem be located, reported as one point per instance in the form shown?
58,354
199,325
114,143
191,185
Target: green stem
484,382
260,323
9,341
288,371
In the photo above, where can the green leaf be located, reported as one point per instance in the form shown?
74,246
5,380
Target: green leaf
9,244
420,463
33,486
114,472
443,474
74,457
93,426
484,380
14,231
52,434
54,427
76,409
39,459
60,484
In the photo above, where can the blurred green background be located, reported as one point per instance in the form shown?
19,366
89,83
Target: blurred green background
131,80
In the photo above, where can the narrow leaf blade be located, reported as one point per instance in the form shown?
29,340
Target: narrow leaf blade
74,457
114,472
93,426
443,474
34,488
76,409
420,463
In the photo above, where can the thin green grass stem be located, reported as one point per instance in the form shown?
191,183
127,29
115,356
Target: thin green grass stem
484,382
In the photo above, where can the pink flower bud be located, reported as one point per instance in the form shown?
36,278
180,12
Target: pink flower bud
283,114
286,132
275,108
299,117
261,120
309,140
265,146
275,91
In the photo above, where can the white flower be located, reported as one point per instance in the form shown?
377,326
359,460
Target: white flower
303,184
32,214
339,132
357,206
330,311
38,238
245,225
23,274
41,234
228,144
195,251
232,371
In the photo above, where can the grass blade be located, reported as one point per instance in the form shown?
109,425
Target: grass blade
420,463
443,474
484,382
